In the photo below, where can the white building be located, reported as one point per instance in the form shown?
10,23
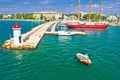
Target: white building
112,17
51,15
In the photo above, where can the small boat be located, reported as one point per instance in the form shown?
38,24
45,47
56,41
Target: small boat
83,58
65,33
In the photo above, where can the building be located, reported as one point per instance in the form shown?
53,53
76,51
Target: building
51,15
6,16
112,18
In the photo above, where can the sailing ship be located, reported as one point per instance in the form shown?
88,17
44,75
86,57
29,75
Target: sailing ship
89,24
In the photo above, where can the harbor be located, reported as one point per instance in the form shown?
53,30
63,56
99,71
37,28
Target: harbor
59,40
32,38
59,53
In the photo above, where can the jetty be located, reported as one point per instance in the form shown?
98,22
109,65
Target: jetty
32,38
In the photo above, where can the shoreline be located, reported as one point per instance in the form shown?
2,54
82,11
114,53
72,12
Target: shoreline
22,20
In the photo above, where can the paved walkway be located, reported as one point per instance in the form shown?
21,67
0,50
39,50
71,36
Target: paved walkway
36,35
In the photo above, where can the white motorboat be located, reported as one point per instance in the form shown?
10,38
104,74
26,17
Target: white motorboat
65,33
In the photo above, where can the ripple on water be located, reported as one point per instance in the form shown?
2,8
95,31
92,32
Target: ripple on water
55,58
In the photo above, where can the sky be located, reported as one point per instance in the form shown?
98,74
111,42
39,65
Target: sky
64,6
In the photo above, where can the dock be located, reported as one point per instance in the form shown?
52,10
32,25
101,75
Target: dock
32,38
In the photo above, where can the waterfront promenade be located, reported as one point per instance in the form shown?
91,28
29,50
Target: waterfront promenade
36,34
32,38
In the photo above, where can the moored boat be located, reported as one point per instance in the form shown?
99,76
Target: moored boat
90,24
65,33
84,58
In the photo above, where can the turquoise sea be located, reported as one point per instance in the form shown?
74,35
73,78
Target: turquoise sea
55,56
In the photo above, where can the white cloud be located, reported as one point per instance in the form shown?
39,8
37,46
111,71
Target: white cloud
44,2
26,3
95,6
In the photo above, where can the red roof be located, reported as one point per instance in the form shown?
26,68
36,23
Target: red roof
16,26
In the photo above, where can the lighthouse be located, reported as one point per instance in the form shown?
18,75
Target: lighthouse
17,34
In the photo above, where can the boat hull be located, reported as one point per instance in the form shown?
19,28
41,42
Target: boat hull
97,26
65,33
79,56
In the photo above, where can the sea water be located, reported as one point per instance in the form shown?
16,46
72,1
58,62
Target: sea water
55,57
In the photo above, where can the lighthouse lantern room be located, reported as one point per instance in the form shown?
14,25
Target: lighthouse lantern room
17,34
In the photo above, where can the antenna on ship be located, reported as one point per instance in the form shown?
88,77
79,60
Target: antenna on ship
90,10
78,10
100,10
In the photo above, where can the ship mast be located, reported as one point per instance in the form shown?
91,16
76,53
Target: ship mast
100,10
90,10
78,10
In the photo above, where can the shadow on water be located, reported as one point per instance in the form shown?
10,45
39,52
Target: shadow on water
1,49
64,38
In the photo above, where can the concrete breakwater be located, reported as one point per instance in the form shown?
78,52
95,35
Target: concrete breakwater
32,38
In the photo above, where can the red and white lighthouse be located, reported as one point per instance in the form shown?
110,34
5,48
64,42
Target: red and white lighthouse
17,34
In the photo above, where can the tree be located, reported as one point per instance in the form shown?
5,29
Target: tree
85,17
41,17
62,16
24,16
45,18
94,17
1,16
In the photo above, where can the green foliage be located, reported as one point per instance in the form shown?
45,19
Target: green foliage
45,18
93,17
1,16
74,15
62,16
41,17
22,16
